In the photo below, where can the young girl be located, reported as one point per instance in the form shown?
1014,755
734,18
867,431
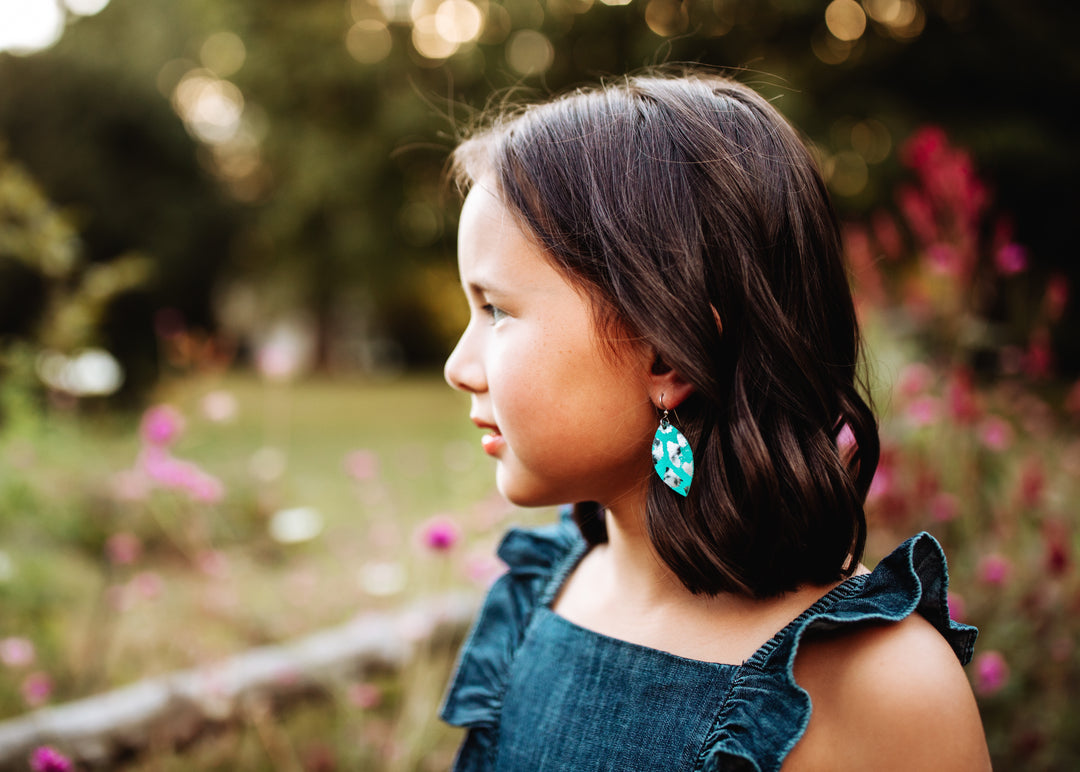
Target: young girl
662,332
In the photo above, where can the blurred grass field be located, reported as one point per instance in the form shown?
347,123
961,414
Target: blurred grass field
372,460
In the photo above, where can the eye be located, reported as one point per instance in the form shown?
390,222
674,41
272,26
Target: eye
496,313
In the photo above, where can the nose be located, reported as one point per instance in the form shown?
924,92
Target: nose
464,370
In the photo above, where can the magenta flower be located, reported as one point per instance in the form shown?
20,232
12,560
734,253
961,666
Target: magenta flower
365,696
944,507
16,651
361,465
1032,483
36,689
161,425
914,379
46,759
957,607
171,473
440,534
1011,259
482,568
991,673
123,548
924,411
1057,296
996,433
963,402
924,147
994,569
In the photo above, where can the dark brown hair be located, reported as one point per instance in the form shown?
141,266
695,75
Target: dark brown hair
666,197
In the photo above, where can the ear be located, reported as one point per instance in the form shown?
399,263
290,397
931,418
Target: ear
667,385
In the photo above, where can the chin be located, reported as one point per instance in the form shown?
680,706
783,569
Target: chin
524,495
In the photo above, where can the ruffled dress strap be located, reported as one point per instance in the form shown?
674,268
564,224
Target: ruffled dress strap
766,712
537,559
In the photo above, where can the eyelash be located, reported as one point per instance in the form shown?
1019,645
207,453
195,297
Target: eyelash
496,313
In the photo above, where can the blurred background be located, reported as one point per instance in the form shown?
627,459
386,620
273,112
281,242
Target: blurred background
228,283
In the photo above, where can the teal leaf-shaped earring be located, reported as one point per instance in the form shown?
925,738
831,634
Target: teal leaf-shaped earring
672,457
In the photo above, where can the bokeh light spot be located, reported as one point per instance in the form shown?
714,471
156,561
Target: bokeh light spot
848,174
871,139
27,26
86,7
666,17
369,41
459,21
845,19
210,107
529,52
428,42
496,26
223,53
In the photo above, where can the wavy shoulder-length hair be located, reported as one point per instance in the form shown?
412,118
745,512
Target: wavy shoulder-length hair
695,220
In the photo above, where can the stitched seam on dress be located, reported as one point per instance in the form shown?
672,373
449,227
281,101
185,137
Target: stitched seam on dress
846,589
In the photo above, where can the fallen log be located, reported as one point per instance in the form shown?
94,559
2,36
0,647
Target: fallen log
174,709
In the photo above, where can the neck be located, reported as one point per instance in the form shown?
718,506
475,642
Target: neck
640,575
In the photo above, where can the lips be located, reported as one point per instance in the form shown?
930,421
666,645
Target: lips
493,441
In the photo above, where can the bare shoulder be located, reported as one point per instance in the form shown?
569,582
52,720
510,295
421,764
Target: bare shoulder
887,697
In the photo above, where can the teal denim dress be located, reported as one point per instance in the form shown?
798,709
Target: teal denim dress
540,693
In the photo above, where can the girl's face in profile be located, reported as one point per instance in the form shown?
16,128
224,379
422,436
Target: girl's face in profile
568,418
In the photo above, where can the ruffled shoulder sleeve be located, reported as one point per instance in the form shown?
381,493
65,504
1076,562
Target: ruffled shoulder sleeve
535,558
766,712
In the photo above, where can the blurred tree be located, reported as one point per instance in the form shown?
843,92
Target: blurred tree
327,123
109,151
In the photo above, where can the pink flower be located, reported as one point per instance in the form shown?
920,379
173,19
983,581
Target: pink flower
888,235
365,696
36,689
957,607
1039,357
46,759
945,259
171,473
963,402
991,673
1057,543
919,214
996,433
440,534
161,425
924,147
123,548
944,507
994,569
924,411
361,465
1032,483
1011,259
914,379
1057,296
483,568
16,651
148,584
213,563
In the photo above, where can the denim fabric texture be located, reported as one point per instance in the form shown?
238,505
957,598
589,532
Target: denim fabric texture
540,693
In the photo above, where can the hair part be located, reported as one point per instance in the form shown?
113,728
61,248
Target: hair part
669,200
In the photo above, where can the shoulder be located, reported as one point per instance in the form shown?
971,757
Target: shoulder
893,696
